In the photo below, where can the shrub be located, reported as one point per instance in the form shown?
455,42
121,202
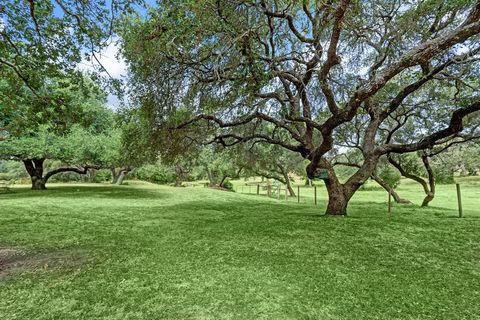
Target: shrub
443,176
100,175
5,176
390,175
12,170
156,173
227,185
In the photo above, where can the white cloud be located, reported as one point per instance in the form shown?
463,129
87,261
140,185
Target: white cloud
112,62
115,66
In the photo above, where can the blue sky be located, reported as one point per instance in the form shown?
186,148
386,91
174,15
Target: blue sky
115,65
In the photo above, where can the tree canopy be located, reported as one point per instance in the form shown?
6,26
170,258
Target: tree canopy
309,76
47,39
74,127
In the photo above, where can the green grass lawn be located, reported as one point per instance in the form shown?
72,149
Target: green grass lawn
153,252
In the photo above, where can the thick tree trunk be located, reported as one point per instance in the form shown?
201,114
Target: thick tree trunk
38,183
34,168
337,193
337,199
180,175
429,197
121,177
178,182
340,194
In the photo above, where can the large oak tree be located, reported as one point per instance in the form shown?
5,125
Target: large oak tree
311,70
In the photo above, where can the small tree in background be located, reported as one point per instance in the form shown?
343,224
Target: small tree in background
71,126
220,164
273,162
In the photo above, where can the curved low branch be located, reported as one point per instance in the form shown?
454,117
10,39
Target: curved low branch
78,170
378,180
407,174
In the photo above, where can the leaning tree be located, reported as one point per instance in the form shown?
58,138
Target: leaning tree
309,69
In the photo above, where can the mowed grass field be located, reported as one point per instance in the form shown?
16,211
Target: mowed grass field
144,251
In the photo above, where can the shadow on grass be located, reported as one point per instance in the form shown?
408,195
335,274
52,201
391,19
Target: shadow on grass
81,191
270,209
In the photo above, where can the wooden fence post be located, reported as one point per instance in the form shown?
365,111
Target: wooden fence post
459,198
315,194
298,193
258,189
389,202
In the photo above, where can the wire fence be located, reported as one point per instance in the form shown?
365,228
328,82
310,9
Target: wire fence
297,194
312,194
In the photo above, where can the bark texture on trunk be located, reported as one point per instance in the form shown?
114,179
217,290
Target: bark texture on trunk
337,198
38,183
340,194
431,181
34,168
121,177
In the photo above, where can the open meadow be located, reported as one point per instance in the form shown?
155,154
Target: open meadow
157,160
143,251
